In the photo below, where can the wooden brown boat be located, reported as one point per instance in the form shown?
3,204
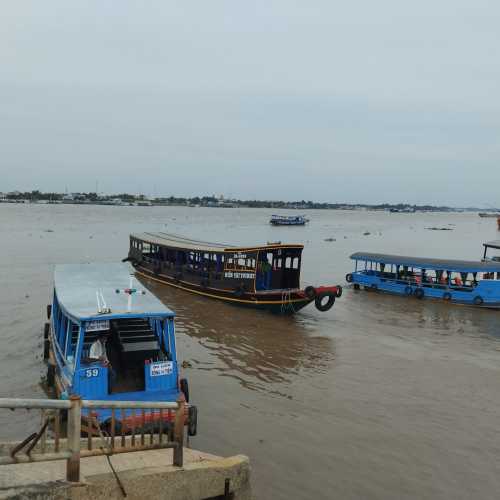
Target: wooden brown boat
263,277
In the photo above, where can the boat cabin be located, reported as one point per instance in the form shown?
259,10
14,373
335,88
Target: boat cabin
248,269
96,308
467,282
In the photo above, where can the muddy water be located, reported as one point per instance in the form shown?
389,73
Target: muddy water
381,397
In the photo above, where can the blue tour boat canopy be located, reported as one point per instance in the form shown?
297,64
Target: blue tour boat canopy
428,263
104,291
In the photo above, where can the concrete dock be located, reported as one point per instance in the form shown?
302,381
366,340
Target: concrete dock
143,475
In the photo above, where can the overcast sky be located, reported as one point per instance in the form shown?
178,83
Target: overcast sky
356,101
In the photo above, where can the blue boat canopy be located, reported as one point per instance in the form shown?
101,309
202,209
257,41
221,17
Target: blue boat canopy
85,289
427,263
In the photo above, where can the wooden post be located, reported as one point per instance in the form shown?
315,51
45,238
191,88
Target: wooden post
179,431
74,431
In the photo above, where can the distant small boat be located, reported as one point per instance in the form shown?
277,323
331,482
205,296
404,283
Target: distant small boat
489,214
288,220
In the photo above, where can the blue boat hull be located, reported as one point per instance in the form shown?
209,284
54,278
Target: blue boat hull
486,294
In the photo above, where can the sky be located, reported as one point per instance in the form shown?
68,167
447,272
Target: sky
359,101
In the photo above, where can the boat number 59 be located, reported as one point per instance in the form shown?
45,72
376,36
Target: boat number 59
92,372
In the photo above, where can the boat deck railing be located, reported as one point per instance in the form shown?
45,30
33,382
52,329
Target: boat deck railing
129,429
429,282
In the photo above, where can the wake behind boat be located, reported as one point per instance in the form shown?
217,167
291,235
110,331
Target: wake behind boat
264,277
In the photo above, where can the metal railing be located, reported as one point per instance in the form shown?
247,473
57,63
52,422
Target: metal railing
125,431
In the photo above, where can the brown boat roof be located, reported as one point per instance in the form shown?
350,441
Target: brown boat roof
177,241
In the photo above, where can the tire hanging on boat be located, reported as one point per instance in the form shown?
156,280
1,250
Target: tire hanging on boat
338,294
447,296
419,293
310,292
408,290
348,278
478,300
192,421
184,388
318,302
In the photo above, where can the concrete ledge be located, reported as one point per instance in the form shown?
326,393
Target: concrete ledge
142,474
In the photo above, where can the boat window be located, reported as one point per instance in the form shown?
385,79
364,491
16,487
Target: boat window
270,258
288,263
295,263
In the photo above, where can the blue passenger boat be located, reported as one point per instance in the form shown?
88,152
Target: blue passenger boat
463,282
108,340
288,220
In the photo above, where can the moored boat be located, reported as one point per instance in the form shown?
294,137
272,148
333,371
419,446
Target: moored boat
488,214
264,277
288,220
109,341
463,282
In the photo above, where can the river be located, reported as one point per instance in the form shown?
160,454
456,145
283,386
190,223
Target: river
381,397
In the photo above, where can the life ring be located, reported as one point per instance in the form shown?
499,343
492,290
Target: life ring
348,278
318,302
310,292
184,387
408,290
478,300
339,292
447,296
419,293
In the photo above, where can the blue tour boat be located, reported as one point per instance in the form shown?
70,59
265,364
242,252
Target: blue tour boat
463,282
288,220
92,301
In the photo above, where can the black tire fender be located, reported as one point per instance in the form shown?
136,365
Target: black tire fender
447,296
184,388
310,292
408,290
478,300
419,293
339,292
348,278
46,330
49,310
51,375
192,421
318,302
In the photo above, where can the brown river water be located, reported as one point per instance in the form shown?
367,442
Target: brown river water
381,397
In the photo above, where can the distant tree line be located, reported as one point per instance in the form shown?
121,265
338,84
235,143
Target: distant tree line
90,197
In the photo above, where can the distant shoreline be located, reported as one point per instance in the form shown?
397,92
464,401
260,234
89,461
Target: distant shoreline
37,197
